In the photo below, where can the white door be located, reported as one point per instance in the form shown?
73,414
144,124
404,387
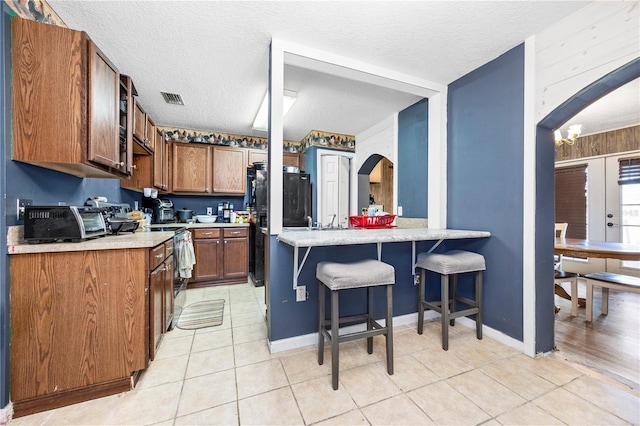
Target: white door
622,215
334,189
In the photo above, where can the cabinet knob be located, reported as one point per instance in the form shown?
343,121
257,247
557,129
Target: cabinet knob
135,166
121,164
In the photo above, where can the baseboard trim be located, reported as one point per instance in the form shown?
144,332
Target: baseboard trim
311,339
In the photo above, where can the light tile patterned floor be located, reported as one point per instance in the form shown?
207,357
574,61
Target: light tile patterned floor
226,375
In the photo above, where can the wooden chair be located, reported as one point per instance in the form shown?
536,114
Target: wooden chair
561,276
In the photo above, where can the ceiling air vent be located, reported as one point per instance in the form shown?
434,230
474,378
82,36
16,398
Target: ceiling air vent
172,98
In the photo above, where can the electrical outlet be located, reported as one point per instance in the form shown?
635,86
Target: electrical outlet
209,211
399,210
301,293
21,203
416,279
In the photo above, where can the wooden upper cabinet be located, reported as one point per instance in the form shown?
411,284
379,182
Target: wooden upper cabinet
257,156
104,95
191,168
229,170
64,103
160,162
143,127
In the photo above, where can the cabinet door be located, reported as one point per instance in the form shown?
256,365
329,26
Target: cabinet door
236,257
167,308
229,170
289,159
191,168
208,259
160,162
156,315
257,156
104,95
139,122
150,133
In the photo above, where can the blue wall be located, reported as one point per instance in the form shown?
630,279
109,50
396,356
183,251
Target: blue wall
413,159
485,178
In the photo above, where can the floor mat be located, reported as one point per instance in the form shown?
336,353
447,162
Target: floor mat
201,315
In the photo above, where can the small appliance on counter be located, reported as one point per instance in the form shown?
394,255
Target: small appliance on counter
115,215
47,224
161,209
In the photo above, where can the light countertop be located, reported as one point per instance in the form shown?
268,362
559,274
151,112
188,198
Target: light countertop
128,240
335,237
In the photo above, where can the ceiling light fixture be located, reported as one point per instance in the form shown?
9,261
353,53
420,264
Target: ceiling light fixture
573,134
262,118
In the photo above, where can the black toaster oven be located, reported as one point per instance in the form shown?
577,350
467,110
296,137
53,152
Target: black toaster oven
46,224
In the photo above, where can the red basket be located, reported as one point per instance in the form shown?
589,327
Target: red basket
385,221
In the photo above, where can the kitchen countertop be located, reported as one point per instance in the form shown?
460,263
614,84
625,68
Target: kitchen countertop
140,239
340,237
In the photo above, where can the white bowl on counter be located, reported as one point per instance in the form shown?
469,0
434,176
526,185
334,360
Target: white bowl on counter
203,218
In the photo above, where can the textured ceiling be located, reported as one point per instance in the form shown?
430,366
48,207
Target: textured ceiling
215,53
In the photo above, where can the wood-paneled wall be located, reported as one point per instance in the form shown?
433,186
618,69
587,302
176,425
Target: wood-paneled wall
383,191
622,140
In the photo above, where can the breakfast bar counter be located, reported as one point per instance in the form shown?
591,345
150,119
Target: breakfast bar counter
354,236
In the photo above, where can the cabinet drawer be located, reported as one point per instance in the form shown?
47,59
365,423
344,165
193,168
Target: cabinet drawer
156,256
206,233
235,232
168,248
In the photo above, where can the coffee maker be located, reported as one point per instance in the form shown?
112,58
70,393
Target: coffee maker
161,209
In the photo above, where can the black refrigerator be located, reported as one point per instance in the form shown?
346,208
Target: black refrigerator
296,208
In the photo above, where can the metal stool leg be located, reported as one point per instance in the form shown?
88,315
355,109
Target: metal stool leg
454,292
444,307
389,324
479,305
423,276
335,339
369,318
321,319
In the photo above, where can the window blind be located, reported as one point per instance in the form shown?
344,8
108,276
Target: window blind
629,171
571,199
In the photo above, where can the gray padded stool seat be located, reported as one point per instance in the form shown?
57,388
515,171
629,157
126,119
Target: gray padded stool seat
448,264
341,276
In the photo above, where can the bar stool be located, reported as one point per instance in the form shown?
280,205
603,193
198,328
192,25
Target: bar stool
451,263
341,276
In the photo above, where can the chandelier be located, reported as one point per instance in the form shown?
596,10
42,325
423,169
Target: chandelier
573,134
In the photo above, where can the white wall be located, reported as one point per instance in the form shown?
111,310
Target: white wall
582,48
380,139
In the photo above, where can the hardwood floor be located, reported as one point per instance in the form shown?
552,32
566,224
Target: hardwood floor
611,343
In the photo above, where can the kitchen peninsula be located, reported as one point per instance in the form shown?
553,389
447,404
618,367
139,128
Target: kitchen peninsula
341,237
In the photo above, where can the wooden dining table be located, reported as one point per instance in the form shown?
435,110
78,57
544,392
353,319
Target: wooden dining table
596,249
574,247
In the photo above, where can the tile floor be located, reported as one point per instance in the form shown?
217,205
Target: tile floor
226,375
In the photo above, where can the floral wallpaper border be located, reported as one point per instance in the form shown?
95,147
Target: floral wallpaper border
314,138
35,10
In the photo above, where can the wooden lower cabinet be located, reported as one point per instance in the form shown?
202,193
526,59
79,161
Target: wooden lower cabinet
236,253
79,325
208,251
84,322
221,255
160,294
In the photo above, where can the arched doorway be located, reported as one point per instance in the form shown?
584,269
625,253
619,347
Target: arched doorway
545,188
